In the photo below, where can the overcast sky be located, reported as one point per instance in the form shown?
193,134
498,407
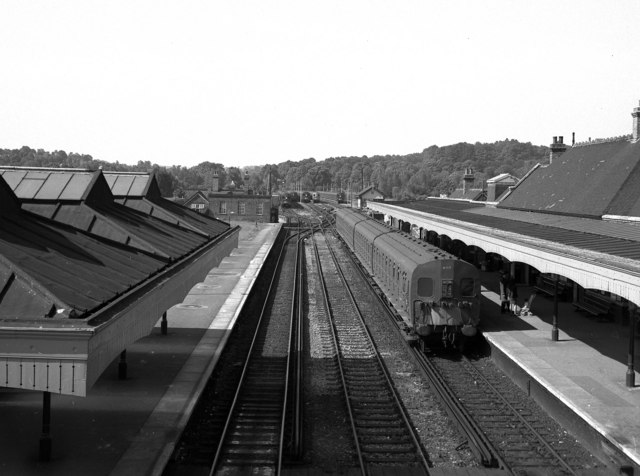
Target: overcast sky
256,82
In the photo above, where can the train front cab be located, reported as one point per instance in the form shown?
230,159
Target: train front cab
446,302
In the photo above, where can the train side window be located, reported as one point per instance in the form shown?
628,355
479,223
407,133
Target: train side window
466,286
425,287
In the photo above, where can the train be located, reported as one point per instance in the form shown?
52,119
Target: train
289,199
306,197
315,198
436,294
332,197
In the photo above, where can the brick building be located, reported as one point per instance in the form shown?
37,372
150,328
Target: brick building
233,203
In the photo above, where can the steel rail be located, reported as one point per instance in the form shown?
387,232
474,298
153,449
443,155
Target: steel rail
249,357
537,435
480,445
325,296
394,393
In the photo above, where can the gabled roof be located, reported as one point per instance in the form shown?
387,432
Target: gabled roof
371,189
132,184
197,195
83,200
44,184
49,269
503,178
591,180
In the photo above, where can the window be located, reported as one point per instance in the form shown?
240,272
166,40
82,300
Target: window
242,208
260,209
223,208
466,287
197,206
447,288
425,287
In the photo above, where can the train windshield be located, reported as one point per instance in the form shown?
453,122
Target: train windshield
425,287
466,287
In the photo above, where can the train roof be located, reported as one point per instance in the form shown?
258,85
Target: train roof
392,241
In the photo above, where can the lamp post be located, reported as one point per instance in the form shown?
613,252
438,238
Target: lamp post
631,373
554,329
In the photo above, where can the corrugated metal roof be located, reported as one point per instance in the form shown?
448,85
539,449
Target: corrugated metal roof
615,239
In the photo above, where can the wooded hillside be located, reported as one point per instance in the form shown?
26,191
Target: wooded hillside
434,171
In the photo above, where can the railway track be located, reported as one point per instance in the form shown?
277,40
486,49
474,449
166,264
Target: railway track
382,434
503,428
518,438
256,430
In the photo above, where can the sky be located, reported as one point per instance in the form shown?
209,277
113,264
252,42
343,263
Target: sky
258,82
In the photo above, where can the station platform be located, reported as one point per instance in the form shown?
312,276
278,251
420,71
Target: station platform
580,378
129,427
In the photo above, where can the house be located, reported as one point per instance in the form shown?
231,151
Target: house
233,203
371,193
468,191
497,186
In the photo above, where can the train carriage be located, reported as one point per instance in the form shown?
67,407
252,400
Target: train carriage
437,294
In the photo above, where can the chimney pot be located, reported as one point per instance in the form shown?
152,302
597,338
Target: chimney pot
555,139
561,138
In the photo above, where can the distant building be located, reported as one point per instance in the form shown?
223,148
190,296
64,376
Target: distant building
468,191
498,186
233,203
371,193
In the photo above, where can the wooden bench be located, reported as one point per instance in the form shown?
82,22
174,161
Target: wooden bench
593,303
547,285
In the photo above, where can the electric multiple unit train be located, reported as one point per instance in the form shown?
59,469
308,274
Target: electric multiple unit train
437,294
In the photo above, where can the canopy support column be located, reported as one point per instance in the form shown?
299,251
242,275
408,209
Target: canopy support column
163,324
122,366
45,437
554,329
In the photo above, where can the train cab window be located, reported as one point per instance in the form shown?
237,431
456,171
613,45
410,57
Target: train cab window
466,287
447,288
425,287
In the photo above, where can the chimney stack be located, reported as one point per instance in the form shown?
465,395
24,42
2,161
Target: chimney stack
467,179
214,182
636,123
557,148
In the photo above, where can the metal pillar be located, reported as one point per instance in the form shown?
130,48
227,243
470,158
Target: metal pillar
631,374
554,329
122,366
163,324
45,438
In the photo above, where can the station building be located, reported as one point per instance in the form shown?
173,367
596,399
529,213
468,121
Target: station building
235,203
